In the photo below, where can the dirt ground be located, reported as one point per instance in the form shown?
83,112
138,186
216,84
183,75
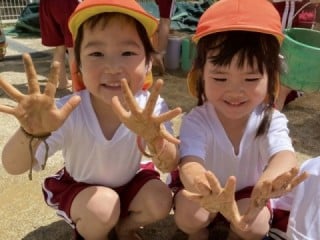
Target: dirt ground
23,213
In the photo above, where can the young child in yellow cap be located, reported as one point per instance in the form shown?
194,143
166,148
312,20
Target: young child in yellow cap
234,144
101,130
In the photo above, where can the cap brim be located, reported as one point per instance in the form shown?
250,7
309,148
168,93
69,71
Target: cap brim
149,22
278,35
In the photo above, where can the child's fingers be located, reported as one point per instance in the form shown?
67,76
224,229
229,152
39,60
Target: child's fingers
31,74
291,179
153,97
7,109
202,186
167,116
170,138
299,179
53,80
12,92
294,171
119,110
213,183
192,196
70,105
281,182
230,186
129,98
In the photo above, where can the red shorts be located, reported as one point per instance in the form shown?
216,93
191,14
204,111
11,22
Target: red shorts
60,190
166,8
53,17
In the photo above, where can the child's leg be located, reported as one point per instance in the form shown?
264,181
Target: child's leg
258,229
95,211
92,210
59,55
152,202
191,218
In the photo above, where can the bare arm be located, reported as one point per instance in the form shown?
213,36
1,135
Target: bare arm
17,159
280,163
280,177
162,145
36,113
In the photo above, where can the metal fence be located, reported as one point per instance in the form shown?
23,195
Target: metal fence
10,10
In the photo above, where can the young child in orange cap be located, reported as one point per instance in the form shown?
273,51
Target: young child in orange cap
102,130
235,148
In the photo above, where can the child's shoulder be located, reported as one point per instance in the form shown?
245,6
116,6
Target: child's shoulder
200,114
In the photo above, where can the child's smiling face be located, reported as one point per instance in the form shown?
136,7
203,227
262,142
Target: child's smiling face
110,51
234,91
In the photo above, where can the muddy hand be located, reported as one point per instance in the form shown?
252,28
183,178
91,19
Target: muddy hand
36,111
218,199
286,182
142,121
280,186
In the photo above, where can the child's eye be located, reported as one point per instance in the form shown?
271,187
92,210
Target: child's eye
128,53
96,54
252,79
220,79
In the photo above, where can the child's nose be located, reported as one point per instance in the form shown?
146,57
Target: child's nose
235,87
113,65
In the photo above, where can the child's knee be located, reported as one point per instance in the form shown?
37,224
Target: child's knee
92,209
260,226
154,200
189,216
161,204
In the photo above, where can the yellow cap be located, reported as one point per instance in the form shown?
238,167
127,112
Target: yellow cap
89,8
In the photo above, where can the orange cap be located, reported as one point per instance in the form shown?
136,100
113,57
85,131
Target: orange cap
89,8
231,15
247,15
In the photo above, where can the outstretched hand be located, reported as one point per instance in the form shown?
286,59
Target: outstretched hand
278,187
36,111
216,199
142,121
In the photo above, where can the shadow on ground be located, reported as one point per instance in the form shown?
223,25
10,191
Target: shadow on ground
60,230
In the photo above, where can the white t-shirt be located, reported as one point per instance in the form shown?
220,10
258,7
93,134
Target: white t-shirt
202,135
89,157
303,204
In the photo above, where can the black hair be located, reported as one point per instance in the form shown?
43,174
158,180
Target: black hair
104,17
249,46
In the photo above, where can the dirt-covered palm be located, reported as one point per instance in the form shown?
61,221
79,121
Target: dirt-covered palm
142,121
36,111
278,187
216,199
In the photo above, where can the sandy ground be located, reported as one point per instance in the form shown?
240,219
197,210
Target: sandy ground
23,213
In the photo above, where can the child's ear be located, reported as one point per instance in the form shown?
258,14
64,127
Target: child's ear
76,76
